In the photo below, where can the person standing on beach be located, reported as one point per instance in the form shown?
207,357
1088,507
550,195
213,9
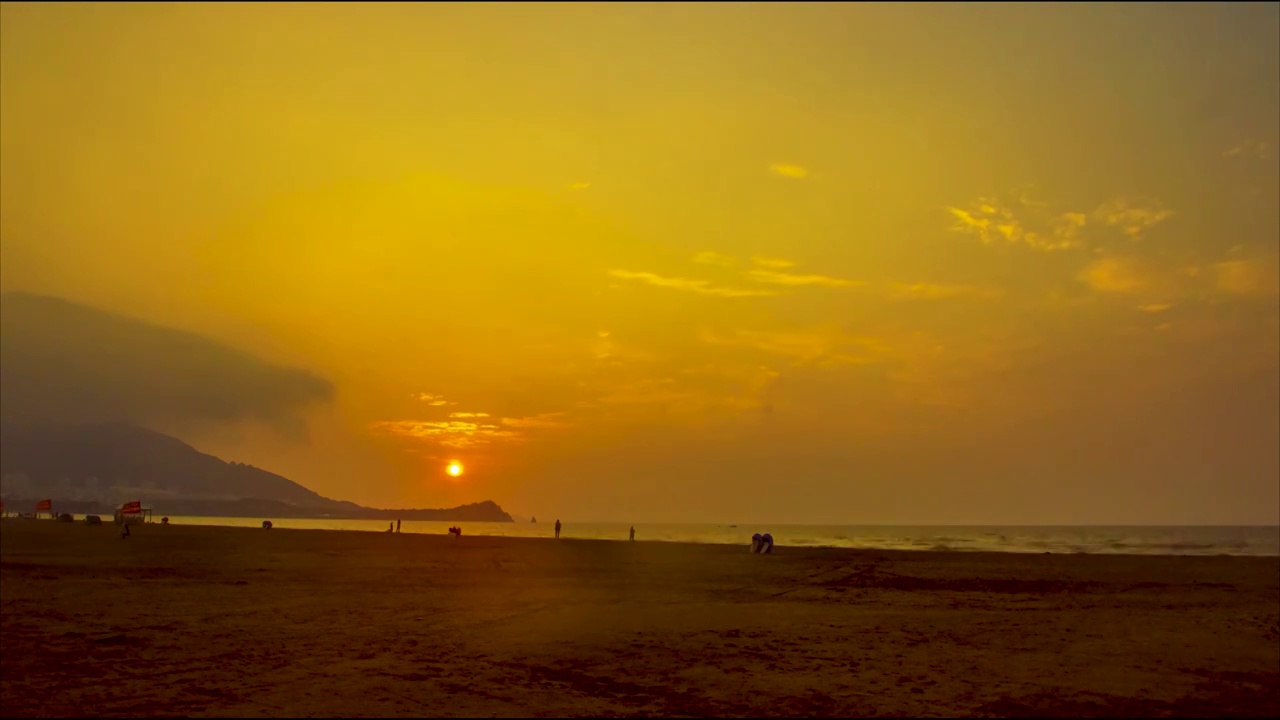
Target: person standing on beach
633,533
557,529
397,526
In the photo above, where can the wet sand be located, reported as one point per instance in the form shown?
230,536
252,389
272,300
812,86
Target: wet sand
202,621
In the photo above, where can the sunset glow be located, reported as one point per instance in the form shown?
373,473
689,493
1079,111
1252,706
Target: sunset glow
831,262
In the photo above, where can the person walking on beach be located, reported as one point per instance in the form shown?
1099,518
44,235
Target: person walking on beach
633,533
557,529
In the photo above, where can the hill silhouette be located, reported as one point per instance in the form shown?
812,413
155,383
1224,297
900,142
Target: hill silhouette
89,467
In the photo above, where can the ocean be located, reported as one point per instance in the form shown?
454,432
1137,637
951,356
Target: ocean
1134,540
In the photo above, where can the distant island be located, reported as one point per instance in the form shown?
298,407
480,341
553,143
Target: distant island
91,468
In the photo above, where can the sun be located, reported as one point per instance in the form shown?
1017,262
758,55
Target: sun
454,469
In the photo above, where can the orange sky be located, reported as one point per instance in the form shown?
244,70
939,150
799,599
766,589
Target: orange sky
863,263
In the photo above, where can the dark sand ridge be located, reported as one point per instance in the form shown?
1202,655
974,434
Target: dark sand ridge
246,622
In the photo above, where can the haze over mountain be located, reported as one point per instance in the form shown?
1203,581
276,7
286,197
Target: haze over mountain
62,361
78,383
102,465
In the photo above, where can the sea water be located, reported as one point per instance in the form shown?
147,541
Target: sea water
1138,540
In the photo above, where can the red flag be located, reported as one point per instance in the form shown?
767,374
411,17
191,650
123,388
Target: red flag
44,506
131,508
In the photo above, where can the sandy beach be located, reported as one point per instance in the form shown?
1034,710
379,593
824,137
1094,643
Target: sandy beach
203,621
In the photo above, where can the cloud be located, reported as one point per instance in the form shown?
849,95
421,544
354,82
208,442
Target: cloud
66,362
543,421
448,433
775,263
1129,275
1250,148
463,431
1121,275
1036,227
1115,275
432,400
780,278
971,222
989,221
789,171
708,257
1065,230
992,223
1133,217
774,276
701,287
1246,277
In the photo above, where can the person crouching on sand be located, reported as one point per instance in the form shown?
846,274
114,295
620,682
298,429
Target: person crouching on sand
762,544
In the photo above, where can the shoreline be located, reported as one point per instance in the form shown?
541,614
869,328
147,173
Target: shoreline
809,552
744,542
747,543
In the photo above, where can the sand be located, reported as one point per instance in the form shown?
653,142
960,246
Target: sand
201,621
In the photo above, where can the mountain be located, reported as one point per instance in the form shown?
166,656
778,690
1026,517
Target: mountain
92,467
